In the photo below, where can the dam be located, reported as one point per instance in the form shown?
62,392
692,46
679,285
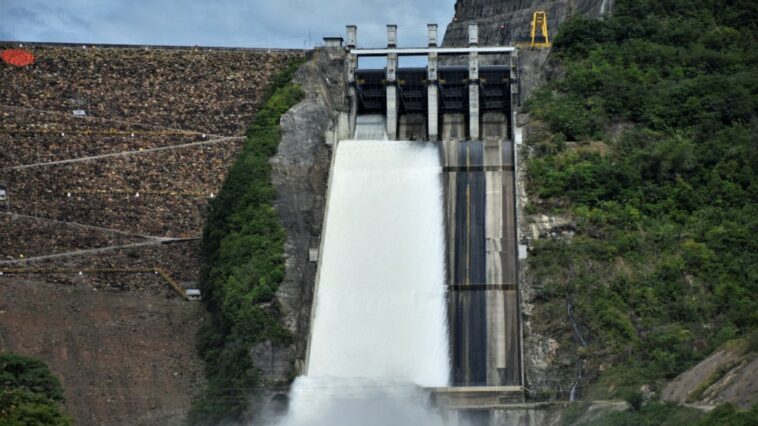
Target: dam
416,311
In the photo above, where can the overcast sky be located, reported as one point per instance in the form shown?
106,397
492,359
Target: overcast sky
243,23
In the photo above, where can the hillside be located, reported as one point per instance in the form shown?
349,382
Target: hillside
642,154
106,211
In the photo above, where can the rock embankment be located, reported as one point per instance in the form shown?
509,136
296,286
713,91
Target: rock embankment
161,128
205,90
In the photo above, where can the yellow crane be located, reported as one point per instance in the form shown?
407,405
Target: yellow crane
539,37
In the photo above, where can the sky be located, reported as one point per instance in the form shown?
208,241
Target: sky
229,23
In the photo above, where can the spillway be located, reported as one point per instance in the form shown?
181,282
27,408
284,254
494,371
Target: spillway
378,331
370,127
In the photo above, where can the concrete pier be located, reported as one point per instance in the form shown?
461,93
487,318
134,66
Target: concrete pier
473,76
392,106
433,89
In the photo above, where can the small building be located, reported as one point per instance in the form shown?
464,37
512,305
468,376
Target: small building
3,194
194,294
333,42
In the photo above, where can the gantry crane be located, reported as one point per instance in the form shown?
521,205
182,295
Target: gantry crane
538,33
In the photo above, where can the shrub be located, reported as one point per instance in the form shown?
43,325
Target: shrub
29,393
243,249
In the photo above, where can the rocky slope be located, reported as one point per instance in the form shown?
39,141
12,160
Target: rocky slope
507,22
300,171
729,375
79,288
503,22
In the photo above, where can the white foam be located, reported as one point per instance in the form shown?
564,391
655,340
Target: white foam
379,330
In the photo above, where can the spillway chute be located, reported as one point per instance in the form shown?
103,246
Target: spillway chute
378,332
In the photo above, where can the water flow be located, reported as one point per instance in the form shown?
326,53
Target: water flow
578,337
371,127
379,328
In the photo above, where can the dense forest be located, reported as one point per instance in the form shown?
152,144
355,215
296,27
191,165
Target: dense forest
649,142
29,394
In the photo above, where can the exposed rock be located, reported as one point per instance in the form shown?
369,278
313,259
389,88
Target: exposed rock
546,350
553,414
726,376
525,417
599,409
272,360
300,173
553,227
507,22
504,22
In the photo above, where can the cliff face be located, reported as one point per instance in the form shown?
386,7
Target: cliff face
300,171
506,22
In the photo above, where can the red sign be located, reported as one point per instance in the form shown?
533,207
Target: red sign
17,57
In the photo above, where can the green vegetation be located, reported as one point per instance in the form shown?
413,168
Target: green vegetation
651,144
729,415
243,247
661,414
29,393
653,414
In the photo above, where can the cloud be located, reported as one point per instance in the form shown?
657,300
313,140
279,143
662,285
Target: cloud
250,23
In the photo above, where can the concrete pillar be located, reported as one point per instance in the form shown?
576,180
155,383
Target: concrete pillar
515,95
473,88
432,67
432,28
473,100
352,36
391,35
515,92
473,35
473,96
392,96
391,112
352,65
433,113
433,96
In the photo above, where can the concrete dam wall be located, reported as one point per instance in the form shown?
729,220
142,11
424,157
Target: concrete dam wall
416,315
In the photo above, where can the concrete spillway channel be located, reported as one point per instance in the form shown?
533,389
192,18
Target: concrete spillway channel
483,302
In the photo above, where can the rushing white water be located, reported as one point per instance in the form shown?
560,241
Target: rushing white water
371,127
379,327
